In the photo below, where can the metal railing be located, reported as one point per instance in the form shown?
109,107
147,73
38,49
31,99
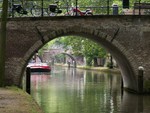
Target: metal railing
41,8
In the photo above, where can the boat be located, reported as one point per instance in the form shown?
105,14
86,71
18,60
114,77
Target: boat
36,64
39,67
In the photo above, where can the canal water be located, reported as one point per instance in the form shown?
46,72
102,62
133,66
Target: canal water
82,91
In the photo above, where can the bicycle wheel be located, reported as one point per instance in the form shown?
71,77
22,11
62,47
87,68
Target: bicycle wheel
36,11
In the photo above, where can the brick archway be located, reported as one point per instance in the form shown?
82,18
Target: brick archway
119,53
125,37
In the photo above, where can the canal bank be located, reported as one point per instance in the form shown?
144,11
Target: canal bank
15,100
102,69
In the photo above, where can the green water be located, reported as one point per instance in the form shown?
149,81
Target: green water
80,91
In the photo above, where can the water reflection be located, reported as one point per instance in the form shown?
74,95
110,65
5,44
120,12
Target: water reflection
132,103
79,91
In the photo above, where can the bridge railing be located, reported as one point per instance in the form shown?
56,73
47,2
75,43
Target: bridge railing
138,9
98,8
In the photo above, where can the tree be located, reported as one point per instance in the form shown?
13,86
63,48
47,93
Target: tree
3,42
92,51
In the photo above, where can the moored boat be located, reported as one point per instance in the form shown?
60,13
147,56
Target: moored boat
39,67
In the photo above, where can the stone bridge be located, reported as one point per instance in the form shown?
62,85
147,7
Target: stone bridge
51,55
125,37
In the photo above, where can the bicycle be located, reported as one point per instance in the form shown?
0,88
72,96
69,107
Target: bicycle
19,9
52,10
75,11
23,9
55,9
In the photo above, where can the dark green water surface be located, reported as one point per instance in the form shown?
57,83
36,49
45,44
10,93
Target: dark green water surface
79,91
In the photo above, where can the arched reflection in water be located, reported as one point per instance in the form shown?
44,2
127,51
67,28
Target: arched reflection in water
80,91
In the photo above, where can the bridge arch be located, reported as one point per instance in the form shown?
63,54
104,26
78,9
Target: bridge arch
119,53
74,62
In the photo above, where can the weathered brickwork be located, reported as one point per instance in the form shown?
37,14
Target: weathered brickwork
125,37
